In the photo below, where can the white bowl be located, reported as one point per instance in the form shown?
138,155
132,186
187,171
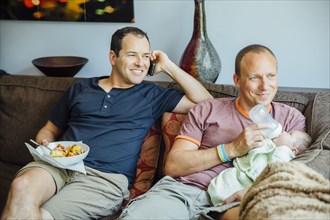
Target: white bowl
67,161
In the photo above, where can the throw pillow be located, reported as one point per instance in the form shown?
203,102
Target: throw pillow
147,162
171,124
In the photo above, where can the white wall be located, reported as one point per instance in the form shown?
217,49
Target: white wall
297,32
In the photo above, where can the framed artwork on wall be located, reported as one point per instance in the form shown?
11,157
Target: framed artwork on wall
68,10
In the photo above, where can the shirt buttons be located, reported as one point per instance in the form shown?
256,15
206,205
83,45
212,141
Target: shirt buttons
106,101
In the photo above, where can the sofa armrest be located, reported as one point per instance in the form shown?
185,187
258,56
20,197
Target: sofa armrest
318,126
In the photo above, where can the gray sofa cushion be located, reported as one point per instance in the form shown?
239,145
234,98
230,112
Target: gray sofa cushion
296,100
318,125
320,120
22,116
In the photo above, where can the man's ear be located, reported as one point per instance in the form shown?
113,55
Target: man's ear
236,79
112,57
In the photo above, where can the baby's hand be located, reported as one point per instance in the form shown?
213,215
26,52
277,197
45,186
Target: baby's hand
236,197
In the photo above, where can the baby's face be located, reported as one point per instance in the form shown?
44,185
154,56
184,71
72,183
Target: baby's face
285,139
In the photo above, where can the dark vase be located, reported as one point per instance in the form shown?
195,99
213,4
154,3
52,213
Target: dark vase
200,59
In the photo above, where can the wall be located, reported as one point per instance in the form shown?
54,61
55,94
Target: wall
297,32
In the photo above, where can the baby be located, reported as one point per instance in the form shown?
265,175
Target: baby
248,167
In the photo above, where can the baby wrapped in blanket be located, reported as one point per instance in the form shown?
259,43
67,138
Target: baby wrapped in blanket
248,167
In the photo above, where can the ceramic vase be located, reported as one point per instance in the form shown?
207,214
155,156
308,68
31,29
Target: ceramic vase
200,59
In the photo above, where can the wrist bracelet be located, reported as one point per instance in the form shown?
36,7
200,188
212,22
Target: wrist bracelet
222,159
222,153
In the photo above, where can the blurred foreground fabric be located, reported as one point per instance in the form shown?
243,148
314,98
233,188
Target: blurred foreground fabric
287,191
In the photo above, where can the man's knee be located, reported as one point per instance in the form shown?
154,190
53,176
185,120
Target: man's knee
20,185
27,182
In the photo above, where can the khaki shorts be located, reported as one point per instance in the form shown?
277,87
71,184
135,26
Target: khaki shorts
80,196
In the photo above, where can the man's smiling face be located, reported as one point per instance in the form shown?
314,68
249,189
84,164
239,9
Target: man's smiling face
258,80
131,65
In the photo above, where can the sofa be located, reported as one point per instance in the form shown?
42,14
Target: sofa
25,102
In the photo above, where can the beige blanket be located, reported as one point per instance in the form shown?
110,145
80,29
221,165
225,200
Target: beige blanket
288,190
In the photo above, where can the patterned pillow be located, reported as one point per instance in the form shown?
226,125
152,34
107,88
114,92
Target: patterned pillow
171,123
147,162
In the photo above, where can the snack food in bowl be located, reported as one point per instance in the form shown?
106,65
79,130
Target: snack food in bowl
68,152
61,151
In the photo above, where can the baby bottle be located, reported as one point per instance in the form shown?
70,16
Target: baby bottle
259,114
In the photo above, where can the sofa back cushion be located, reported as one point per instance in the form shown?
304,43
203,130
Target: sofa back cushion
298,100
24,105
319,122
317,115
25,102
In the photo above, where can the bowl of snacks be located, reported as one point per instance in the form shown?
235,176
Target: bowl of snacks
68,152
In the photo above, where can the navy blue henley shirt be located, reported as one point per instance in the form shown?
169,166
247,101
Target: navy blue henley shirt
113,124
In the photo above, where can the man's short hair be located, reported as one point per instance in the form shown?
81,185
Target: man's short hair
254,48
117,37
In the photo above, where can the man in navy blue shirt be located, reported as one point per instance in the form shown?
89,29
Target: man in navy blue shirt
112,115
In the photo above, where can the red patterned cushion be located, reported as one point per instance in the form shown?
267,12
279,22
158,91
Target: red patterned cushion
171,123
147,162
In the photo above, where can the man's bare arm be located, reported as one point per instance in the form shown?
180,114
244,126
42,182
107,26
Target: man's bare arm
193,89
184,158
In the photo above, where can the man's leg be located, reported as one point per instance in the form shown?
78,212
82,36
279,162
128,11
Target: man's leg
168,199
90,196
29,190
155,206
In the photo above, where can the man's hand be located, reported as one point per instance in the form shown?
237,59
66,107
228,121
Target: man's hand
233,213
250,138
160,59
49,133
